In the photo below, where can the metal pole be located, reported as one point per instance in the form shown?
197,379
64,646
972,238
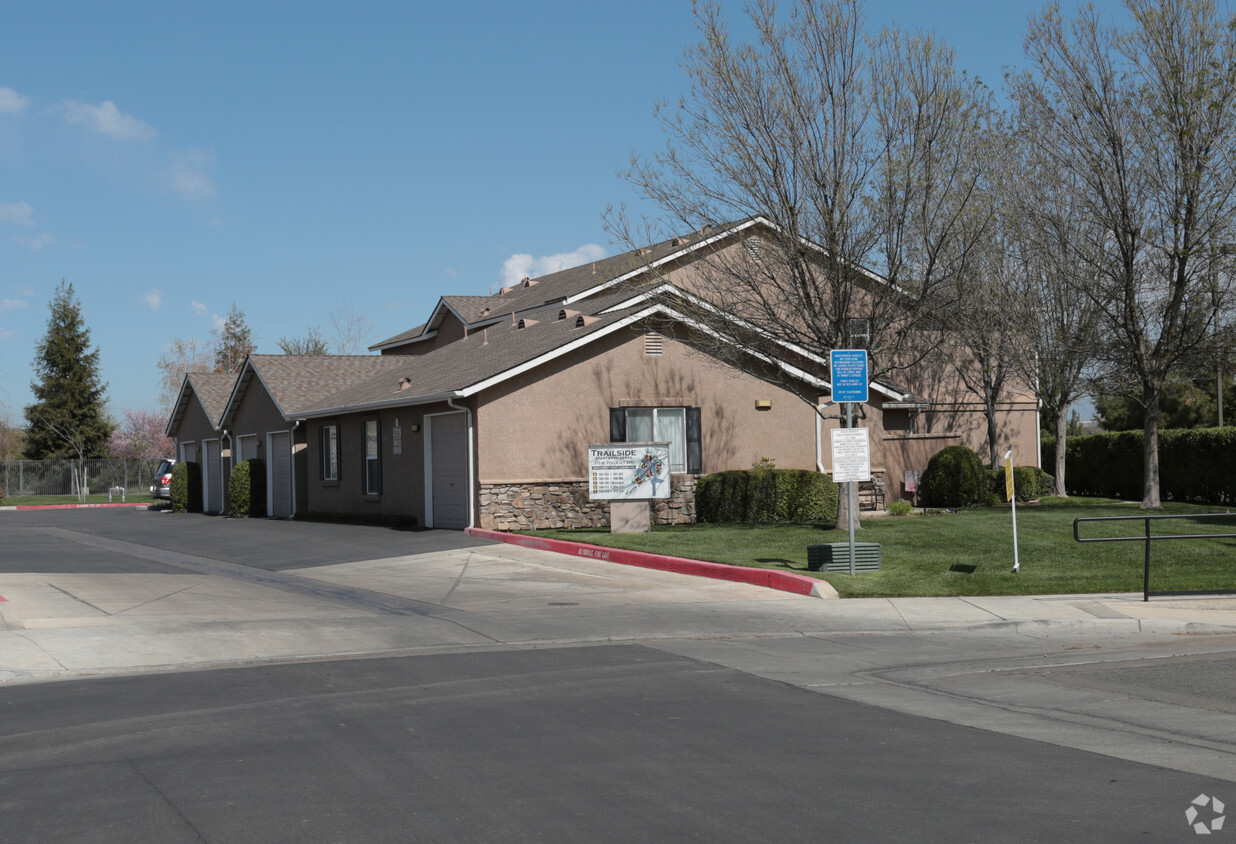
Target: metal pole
849,423
1146,573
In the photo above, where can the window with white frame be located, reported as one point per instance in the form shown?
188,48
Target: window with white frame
373,457
678,426
328,442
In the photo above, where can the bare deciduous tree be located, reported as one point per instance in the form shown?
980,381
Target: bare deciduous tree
1144,123
181,358
352,330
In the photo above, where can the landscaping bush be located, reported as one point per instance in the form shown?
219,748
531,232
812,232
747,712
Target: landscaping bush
900,507
1029,483
955,477
766,495
246,489
186,488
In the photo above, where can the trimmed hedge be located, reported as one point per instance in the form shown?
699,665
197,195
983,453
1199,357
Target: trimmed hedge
1195,464
766,495
1029,483
955,477
186,488
246,489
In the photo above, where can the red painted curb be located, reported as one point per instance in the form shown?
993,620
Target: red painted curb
70,506
784,581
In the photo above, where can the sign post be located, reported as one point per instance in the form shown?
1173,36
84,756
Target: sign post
1010,490
848,373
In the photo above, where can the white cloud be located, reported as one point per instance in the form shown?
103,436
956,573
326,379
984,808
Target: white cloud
108,120
5,334
12,102
520,266
12,304
16,213
216,322
34,243
187,173
153,299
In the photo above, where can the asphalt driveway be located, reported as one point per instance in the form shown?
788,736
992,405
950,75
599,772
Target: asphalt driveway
269,544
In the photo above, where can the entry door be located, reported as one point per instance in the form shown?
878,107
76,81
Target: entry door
448,443
280,496
212,476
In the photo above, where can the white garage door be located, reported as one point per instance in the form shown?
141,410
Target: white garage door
212,476
449,464
280,496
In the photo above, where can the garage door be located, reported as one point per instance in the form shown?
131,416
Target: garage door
449,464
280,496
212,476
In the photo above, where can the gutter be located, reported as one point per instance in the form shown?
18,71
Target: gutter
471,469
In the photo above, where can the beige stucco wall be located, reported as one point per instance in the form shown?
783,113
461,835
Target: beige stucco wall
537,426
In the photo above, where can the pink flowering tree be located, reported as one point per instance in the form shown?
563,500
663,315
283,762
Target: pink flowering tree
140,436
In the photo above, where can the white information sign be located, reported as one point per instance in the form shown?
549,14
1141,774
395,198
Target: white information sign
851,455
628,471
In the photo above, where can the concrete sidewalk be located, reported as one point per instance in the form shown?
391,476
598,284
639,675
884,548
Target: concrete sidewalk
207,613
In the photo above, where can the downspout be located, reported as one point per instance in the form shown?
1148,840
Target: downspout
471,470
292,461
819,440
225,434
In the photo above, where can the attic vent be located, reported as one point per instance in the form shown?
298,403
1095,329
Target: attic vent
562,314
567,313
527,282
524,323
485,312
654,344
404,383
755,248
579,322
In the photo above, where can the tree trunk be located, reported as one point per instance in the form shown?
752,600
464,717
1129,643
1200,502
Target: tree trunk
1062,433
1150,457
993,435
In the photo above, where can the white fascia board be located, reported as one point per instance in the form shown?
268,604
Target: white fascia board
237,391
176,410
558,352
377,347
793,347
346,409
662,261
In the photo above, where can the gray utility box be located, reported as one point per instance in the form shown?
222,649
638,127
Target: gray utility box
835,556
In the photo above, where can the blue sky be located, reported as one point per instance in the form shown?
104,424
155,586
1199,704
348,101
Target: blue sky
170,159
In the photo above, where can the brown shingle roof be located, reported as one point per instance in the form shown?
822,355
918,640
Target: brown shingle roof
213,390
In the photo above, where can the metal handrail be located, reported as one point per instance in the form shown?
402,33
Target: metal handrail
1148,538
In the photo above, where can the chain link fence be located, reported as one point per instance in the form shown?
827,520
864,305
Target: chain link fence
63,477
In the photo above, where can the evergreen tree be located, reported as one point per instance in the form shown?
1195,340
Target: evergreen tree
67,419
235,342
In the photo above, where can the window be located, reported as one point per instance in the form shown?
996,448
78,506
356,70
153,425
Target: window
678,426
328,443
373,458
859,329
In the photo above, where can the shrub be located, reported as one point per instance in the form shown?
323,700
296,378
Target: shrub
900,507
186,488
1030,482
766,495
955,477
246,489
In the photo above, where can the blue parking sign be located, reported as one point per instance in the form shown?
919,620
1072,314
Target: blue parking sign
848,373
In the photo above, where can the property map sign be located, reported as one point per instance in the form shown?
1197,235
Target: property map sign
628,471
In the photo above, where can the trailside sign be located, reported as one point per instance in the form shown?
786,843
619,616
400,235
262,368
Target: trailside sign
628,471
848,373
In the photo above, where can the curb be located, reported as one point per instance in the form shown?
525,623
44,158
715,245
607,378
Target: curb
69,506
783,581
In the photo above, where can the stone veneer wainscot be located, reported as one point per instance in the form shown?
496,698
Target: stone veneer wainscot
545,505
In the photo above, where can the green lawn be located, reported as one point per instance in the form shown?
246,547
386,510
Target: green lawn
131,497
968,552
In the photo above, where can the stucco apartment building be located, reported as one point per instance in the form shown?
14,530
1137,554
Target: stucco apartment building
482,415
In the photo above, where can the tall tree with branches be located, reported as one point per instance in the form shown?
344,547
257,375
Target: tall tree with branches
1143,122
68,418
863,153
235,342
